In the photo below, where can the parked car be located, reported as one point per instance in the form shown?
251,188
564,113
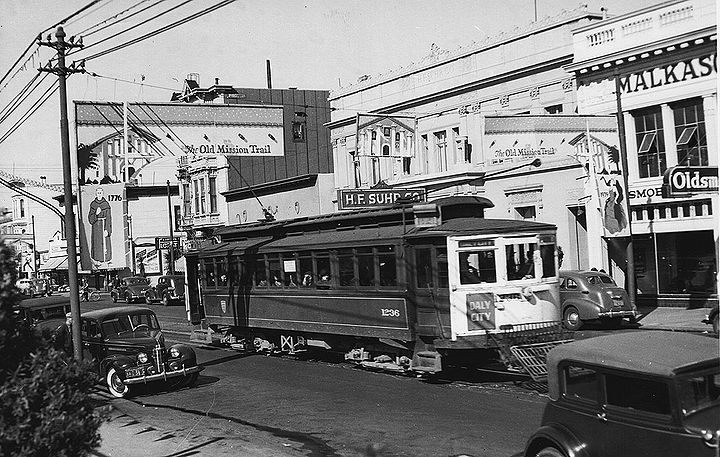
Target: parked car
169,289
127,347
26,287
712,318
131,289
651,393
44,314
593,296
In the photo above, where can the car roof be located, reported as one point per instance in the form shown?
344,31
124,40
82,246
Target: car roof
43,302
653,352
581,273
109,313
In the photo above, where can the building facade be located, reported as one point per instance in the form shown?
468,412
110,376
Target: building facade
295,180
437,125
659,66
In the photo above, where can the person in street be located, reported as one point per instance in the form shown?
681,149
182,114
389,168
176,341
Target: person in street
560,256
84,290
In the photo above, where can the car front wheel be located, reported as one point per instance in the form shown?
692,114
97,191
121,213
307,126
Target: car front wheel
166,300
571,318
117,388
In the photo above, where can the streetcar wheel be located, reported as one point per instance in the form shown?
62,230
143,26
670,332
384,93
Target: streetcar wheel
549,452
117,388
571,318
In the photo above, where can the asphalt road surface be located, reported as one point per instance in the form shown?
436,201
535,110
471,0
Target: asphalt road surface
319,408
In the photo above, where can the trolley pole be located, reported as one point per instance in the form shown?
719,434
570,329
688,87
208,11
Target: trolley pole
171,267
60,45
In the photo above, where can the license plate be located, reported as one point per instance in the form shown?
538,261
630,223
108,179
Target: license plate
618,303
134,372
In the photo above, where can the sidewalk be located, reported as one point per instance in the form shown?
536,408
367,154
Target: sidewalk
677,319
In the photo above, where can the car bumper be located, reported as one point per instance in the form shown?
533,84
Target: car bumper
163,376
621,313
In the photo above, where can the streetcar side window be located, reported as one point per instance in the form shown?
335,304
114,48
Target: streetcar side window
274,266
222,278
442,266
260,273
366,267
346,267
423,268
306,270
209,265
324,275
290,271
387,265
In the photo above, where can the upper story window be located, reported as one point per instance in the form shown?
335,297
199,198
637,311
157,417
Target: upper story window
202,195
298,131
441,150
212,188
187,198
196,189
650,141
691,141
554,109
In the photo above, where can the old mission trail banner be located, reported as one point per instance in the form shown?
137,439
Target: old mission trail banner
562,140
102,226
173,129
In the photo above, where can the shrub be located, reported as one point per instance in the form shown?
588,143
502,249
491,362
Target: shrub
45,406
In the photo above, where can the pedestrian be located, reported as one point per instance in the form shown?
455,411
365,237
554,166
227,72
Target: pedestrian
560,256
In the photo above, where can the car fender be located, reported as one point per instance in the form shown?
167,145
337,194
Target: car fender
558,436
587,309
187,354
120,362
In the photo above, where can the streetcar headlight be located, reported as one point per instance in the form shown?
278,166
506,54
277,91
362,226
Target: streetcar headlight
174,353
527,292
142,357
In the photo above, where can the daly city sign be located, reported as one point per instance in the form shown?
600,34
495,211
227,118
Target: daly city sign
681,181
374,198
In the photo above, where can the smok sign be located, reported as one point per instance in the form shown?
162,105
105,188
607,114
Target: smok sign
373,198
681,181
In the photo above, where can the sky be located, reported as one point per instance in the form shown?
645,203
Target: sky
315,44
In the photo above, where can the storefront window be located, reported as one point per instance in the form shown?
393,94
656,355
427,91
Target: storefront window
690,136
644,252
650,142
686,262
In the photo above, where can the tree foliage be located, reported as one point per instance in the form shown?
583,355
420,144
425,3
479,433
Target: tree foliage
45,406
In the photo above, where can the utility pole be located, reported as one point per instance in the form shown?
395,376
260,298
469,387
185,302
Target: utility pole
60,45
171,267
35,259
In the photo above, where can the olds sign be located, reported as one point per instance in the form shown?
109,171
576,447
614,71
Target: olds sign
681,181
375,198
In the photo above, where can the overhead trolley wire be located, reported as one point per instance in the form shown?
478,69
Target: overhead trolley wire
31,110
160,30
87,13
86,33
139,24
15,102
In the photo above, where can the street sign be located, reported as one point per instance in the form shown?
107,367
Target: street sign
684,181
376,198
163,242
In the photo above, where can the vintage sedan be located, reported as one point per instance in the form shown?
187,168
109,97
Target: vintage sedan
653,393
45,314
169,289
593,296
130,289
127,347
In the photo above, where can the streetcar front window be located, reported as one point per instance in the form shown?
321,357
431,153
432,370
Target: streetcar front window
477,266
520,260
547,252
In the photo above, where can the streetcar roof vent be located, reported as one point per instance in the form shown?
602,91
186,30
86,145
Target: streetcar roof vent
426,215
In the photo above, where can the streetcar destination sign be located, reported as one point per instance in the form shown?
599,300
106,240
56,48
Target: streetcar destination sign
681,181
375,198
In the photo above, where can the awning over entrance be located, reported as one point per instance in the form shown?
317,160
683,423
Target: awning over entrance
54,264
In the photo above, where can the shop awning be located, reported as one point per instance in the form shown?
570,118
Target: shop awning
232,247
53,263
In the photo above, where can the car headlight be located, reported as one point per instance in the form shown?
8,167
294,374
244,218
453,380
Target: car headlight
174,353
142,357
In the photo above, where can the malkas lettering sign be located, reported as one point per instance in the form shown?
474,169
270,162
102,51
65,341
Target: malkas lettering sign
684,70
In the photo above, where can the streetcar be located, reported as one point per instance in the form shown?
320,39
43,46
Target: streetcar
405,288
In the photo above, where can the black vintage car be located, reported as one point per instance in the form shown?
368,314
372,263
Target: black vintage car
169,289
45,314
127,347
131,289
652,393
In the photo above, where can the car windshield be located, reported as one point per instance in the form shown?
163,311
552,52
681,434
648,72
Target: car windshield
136,281
598,280
700,398
130,323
